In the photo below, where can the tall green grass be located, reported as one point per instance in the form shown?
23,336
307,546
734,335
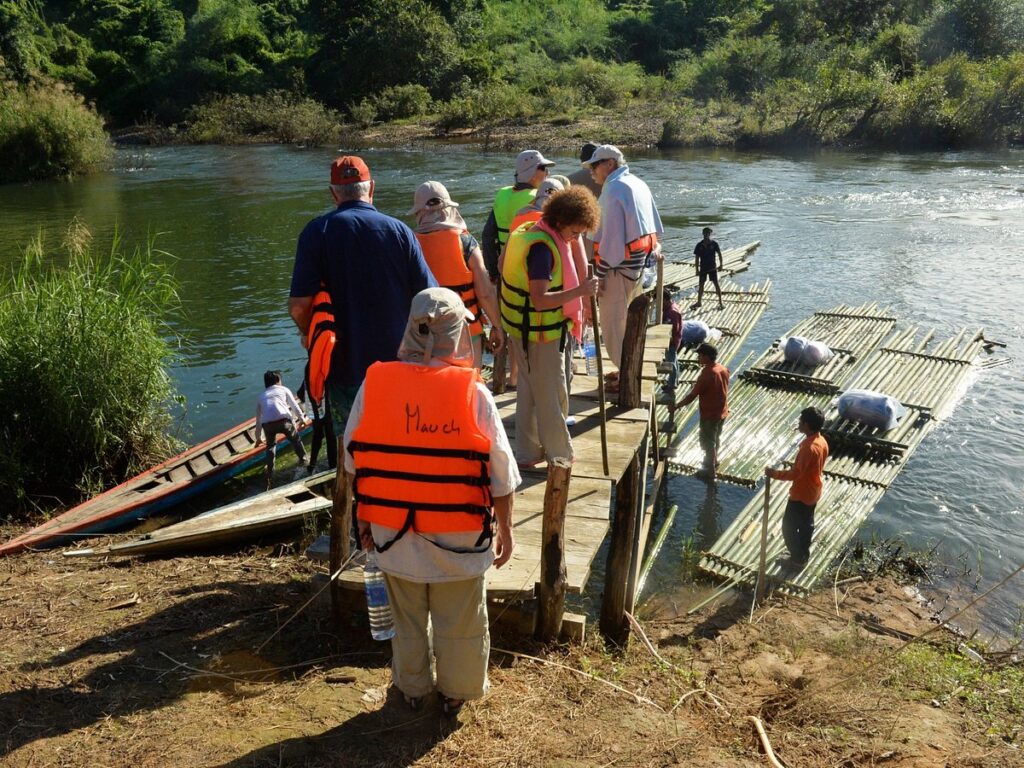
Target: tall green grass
83,356
47,131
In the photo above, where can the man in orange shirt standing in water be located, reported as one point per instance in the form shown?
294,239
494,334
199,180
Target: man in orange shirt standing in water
712,387
798,520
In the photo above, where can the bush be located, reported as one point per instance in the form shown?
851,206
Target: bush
489,104
363,113
607,85
83,356
46,131
398,102
896,48
276,116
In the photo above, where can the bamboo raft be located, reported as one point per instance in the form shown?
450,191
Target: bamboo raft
863,462
680,275
765,403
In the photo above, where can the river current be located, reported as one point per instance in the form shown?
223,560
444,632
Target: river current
938,238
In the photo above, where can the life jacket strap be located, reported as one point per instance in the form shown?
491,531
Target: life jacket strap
482,480
403,450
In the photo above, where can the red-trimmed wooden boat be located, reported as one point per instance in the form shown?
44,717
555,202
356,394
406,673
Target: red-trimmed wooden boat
277,509
200,467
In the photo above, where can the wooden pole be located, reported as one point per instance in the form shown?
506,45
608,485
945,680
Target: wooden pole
553,578
659,293
613,623
762,562
633,342
341,528
498,369
595,321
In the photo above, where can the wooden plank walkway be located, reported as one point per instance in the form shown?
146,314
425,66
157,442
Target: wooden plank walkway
862,464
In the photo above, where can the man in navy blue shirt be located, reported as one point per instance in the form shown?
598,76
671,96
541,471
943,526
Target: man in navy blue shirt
704,260
372,266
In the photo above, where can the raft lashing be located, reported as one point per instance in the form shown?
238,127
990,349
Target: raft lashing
761,429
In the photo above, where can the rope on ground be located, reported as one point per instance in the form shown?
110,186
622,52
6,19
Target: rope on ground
635,696
650,647
306,604
768,751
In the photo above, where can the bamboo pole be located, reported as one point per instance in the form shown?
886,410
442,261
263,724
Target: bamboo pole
553,579
596,323
763,560
656,547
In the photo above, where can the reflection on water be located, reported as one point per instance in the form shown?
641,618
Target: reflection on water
937,237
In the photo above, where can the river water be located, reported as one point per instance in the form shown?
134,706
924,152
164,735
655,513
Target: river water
939,238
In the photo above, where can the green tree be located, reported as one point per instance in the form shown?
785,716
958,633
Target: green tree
371,45
978,28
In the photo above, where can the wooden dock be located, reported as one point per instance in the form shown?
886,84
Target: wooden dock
597,502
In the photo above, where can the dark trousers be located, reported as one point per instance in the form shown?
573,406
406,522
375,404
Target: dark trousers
797,529
270,432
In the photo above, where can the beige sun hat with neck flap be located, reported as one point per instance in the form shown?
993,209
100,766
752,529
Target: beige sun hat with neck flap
438,327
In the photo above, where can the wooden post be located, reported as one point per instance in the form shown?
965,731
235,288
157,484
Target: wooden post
613,624
553,578
633,343
642,527
762,563
659,293
341,528
498,369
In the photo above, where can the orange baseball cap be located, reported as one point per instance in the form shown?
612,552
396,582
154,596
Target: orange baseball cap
349,169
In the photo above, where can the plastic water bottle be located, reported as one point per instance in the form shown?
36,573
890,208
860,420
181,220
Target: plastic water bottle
590,351
650,274
382,627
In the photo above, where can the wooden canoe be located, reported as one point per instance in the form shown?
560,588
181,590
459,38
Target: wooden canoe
200,467
273,510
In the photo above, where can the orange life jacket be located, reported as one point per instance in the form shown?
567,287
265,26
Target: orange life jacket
422,463
320,340
443,252
522,217
634,259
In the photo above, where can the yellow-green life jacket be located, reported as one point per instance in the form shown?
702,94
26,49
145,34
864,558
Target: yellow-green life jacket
507,203
518,318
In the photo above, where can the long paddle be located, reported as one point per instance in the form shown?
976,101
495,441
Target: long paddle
600,376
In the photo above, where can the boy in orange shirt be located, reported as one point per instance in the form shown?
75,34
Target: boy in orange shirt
798,520
712,389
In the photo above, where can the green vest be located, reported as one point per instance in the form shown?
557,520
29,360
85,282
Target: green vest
517,318
507,203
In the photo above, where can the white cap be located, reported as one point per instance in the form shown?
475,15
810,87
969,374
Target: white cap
527,163
606,152
431,194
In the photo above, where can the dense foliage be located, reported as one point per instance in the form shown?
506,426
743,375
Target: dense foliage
82,370
901,72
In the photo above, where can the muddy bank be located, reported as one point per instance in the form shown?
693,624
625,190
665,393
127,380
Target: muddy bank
176,662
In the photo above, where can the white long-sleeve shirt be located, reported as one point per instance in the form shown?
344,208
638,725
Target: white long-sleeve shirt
628,213
276,403
413,557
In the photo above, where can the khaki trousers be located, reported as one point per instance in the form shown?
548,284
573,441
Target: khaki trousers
542,402
441,626
617,294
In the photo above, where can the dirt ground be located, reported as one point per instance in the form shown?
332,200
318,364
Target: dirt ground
189,661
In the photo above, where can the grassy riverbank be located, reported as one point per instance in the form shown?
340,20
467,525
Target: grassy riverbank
83,358
172,661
